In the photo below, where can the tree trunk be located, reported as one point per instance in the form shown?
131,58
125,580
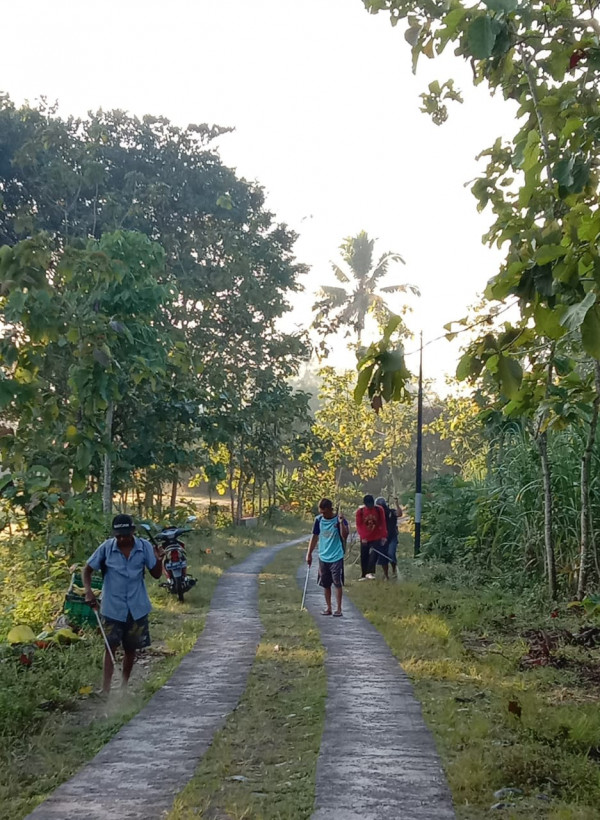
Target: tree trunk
239,513
231,491
586,464
542,443
241,486
174,488
107,484
148,498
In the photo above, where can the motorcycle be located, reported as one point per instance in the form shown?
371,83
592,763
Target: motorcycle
175,566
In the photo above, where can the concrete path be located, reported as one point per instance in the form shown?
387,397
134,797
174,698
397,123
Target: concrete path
138,773
377,759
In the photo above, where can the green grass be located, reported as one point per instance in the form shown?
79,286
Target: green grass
462,647
272,739
48,730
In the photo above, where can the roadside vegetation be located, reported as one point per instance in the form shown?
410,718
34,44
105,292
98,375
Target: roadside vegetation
263,762
510,688
51,721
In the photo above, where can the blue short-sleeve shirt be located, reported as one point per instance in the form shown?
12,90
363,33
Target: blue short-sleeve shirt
330,541
124,590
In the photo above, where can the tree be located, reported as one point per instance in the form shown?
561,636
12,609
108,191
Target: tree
225,273
541,185
348,306
83,329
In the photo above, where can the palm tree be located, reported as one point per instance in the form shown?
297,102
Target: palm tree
348,306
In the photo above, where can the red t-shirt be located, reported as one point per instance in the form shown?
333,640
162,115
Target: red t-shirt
370,523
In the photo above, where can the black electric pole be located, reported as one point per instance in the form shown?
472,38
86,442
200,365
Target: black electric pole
418,496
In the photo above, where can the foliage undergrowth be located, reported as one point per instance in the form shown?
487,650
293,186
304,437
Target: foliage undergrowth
49,729
496,523
272,739
504,711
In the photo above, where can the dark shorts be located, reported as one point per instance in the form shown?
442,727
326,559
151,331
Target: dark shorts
131,634
381,554
331,572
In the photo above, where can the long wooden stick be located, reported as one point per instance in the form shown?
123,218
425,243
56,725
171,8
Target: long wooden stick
106,643
305,587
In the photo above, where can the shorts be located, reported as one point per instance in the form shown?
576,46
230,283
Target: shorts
381,556
331,572
130,633
392,546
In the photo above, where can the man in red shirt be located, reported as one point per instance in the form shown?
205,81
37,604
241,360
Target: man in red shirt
372,531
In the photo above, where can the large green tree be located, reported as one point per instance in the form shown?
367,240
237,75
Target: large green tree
540,184
226,272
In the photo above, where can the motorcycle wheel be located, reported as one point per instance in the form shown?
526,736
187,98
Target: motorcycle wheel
179,588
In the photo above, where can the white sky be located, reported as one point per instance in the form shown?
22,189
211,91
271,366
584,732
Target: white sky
326,114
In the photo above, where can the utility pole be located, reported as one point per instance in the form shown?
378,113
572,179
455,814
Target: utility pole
419,475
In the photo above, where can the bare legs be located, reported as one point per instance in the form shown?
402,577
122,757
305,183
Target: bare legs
128,660
338,598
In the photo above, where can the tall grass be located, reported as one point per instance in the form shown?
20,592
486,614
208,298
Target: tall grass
497,523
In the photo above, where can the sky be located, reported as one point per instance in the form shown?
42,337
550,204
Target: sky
326,116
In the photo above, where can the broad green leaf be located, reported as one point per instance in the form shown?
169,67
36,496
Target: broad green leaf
362,383
392,361
481,36
391,326
563,172
464,368
411,35
572,125
83,456
548,253
387,385
575,314
581,176
589,228
531,151
79,482
504,6
590,332
547,321
510,374
492,363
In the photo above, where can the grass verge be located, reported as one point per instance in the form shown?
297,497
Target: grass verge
512,701
49,729
262,764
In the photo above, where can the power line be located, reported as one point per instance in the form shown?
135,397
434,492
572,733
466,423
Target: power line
483,321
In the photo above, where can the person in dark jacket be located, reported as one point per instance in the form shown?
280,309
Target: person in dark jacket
391,544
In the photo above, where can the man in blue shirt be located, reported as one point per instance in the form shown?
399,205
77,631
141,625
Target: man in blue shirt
123,560
329,532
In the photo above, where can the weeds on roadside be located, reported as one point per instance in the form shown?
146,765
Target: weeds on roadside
49,729
506,711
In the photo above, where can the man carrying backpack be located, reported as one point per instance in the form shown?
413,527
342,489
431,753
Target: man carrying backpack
391,544
329,532
372,531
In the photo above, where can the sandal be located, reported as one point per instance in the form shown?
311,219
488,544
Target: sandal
326,612
337,614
